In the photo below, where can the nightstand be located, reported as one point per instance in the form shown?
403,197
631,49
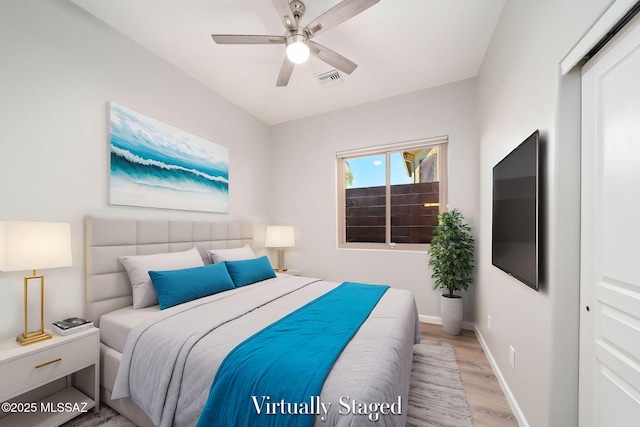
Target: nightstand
31,368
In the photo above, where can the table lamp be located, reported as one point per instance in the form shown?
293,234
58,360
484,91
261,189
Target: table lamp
31,245
280,237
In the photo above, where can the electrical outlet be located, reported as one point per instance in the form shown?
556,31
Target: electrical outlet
488,321
512,356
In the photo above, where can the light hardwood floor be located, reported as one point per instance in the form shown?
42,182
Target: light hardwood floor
489,407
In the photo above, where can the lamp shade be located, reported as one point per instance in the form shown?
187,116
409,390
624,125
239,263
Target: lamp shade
279,236
34,245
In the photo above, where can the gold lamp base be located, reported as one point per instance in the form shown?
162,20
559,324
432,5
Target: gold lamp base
33,337
38,335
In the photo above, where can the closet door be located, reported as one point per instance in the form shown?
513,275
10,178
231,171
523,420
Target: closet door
610,245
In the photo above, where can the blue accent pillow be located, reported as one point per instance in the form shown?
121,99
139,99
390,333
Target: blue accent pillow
250,271
177,286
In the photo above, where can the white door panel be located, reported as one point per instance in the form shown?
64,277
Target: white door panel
621,169
622,405
610,236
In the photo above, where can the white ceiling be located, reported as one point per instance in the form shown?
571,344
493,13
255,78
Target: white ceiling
400,46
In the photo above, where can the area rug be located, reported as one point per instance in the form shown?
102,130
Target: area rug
436,396
106,417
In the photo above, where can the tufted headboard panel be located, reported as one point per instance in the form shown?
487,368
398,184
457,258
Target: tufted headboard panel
106,282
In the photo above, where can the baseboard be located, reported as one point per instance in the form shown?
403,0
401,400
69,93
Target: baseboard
515,408
438,321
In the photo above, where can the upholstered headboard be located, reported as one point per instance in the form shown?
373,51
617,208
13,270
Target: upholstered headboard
106,282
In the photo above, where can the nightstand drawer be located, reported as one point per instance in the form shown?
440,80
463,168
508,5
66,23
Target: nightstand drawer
53,361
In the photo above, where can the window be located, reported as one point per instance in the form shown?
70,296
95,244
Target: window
391,196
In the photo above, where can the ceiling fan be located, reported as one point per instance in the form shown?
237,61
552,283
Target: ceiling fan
298,39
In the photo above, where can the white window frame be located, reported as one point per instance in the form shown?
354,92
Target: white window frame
342,156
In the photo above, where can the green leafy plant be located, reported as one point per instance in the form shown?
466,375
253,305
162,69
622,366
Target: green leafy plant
451,253
348,175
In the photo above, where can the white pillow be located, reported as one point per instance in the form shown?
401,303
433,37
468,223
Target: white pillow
138,267
236,254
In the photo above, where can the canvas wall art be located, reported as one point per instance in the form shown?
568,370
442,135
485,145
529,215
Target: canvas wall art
156,165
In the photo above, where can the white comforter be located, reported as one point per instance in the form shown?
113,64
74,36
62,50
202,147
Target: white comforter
169,362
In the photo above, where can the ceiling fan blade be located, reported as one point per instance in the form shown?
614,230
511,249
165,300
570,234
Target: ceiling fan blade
286,14
285,73
338,14
332,58
246,39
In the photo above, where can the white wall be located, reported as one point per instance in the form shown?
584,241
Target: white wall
519,90
59,68
303,191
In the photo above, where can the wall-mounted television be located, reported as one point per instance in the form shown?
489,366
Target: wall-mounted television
516,201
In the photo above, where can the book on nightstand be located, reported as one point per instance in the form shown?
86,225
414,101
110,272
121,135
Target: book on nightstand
71,325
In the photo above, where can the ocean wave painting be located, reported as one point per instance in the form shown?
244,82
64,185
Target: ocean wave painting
156,165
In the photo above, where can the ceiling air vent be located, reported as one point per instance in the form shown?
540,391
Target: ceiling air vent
330,78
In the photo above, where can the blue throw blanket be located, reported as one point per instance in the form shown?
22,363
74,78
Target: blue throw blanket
274,377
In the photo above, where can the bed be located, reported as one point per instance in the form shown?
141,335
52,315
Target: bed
373,368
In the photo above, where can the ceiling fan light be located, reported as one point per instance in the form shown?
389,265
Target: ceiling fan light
298,52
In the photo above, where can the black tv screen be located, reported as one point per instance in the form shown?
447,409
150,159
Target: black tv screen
515,212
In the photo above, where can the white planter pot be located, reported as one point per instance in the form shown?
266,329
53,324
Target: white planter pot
451,310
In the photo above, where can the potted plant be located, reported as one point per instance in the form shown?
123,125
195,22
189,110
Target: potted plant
451,262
